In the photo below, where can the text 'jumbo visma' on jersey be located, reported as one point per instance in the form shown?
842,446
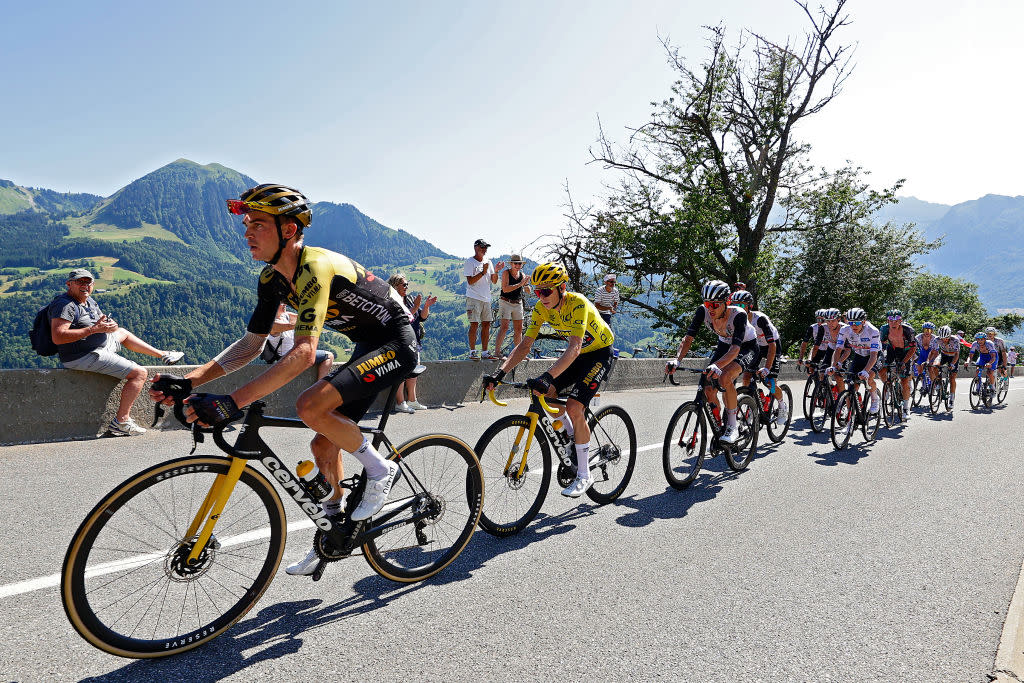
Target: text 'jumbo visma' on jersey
331,290
576,317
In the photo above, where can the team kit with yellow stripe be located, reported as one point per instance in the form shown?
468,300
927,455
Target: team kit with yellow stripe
578,317
330,290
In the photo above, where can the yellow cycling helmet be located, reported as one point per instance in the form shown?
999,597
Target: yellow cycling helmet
277,200
549,275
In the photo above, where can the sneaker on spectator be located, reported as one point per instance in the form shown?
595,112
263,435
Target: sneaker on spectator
404,407
172,357
474,354
489,356
416,405
127,428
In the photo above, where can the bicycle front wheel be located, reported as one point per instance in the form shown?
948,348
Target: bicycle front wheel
776,431
844,417
514,497
125,584
821,403
443,475
686,443
976,389
612,453
810,389
1004,389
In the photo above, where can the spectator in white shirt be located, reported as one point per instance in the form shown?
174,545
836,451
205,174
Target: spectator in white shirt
479,278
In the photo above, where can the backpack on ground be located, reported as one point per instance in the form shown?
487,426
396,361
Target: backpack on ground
42,341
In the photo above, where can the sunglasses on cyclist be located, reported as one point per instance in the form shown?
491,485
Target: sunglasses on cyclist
713,305
544,291
238,207
859,323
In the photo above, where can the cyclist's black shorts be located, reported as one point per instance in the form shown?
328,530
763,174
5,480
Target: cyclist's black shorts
953,361
821,355
584,375
894,355
762,352
748,357
373,369
857,362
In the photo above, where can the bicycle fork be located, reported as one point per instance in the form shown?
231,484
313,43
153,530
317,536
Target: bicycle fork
211,509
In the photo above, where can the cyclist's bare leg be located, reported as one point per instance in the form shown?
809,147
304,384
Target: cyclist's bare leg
581,430
316,407
728,382
328,460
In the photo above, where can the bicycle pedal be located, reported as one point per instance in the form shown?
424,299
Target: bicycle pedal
319,571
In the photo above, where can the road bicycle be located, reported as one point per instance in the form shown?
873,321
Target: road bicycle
921,386
940,396
768,406
851,410
820,394
687,441
176,554
982,392
892,394
517,483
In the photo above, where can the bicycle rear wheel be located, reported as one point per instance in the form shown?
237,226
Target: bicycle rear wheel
125,585
686,441
777,432
1004,389
976,400
739,454
444,474
612,453
513,500
936,397
810,388
872,421
889,410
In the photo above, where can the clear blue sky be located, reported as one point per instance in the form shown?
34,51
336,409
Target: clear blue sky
459,120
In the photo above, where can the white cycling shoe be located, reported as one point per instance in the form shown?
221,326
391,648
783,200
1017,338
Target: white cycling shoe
783,414
730,435
305,566
578,487
375,495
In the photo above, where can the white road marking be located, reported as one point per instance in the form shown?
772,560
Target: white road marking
42,582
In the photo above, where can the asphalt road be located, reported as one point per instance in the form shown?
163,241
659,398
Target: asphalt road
894,561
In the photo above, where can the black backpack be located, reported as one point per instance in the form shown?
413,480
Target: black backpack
42,342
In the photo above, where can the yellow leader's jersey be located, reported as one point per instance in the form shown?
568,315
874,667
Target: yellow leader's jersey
576,317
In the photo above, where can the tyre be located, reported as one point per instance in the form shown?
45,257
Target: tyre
612,453
445,474
739,454
809,389
889,410
1004,389
976,400
513,500
937,396
844,418
777,433
125,585
987,394
686,441
820,407
919,390
872,421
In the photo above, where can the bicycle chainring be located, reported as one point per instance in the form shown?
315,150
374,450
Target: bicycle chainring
566,475
326,548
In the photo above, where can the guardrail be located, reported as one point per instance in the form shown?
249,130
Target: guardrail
42,405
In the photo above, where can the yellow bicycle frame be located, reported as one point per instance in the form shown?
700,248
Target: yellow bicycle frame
213,505
532,417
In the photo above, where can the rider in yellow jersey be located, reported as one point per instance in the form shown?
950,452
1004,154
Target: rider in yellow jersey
581,367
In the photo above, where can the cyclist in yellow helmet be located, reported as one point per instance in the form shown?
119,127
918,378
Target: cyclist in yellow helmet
581,367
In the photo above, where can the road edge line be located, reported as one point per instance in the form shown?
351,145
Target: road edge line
1009,662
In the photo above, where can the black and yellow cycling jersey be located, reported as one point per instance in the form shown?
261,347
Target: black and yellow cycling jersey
576,317
331,290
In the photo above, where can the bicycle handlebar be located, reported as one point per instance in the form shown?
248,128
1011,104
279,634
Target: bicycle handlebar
521,385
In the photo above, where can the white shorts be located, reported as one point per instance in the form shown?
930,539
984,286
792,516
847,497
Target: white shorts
507,311
478,311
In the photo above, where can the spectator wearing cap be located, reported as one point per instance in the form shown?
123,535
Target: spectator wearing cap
514,284
607,298
479,278
90,341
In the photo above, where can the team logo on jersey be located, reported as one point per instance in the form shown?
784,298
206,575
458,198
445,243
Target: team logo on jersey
369,377
381,358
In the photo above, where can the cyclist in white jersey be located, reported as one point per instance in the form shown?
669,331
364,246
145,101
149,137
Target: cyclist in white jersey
769,345
827,336
736,351
946,351
861,340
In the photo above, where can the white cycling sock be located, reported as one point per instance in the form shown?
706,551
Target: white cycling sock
372,461
333,507
730,417
583,460
567,423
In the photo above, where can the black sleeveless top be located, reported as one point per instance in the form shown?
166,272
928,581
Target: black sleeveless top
514,296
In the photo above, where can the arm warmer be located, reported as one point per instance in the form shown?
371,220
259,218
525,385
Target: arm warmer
240,352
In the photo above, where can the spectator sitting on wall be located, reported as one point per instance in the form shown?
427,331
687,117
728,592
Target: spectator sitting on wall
419,309
607,298
89,340
282,338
